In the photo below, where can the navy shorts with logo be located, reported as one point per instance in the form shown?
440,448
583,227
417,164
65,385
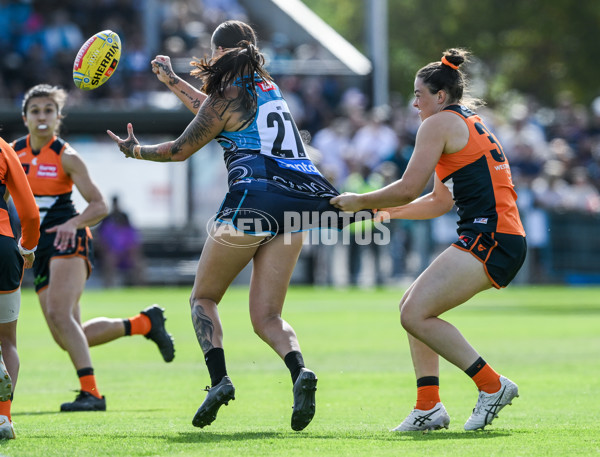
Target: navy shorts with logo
46,251
502,254
258,212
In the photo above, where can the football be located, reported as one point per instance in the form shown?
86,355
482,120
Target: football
97,60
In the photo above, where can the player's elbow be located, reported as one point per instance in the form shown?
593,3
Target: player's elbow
102,208
179,157
447,206
181,151
407,191
410,195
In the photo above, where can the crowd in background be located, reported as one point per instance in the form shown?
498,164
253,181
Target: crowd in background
554,151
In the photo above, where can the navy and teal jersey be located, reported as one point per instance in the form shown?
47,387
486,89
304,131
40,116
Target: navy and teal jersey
269,154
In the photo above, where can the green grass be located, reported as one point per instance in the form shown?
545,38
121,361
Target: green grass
545,339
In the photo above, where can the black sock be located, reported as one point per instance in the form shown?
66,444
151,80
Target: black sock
85,372
294,361
215,362
127,325
476,367
428,381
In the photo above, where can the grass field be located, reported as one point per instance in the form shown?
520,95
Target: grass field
545,339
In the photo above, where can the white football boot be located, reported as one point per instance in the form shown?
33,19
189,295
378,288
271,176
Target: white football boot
5,381
7,431
422,420
489,405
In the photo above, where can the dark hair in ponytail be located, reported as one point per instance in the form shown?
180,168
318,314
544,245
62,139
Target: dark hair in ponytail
446,75
239,64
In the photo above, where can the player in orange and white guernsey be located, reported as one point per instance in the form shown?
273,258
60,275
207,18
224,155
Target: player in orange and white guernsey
65,254
14,256
471,172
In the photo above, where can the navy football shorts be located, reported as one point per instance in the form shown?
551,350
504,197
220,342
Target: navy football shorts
265,213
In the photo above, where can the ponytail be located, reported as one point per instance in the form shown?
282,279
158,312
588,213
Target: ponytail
237,66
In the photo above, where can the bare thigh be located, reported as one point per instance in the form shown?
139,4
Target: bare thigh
223,258
452,278
67,281
274,264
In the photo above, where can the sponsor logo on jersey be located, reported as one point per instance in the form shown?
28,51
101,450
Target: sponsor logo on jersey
303,166
266,86
480,220
47,171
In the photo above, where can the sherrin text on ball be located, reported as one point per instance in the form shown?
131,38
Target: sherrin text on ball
97,60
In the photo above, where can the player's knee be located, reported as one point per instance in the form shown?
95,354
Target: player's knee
56,317
203,300
263,321
7,343
408,316
258,325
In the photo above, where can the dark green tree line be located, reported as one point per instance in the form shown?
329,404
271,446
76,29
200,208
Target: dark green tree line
537,47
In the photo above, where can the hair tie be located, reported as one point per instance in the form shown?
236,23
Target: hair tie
448,63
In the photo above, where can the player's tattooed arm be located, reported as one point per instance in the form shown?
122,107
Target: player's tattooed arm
188,94
194,101
158,153
205,126
214,115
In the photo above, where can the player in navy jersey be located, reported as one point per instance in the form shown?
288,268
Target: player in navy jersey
272,183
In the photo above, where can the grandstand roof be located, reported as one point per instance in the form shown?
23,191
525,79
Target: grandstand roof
301,26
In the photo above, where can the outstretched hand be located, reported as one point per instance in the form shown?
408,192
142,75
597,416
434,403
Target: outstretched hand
126,146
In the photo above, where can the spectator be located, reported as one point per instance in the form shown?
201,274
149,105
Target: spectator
376,141
582,195
120,252
333,141
362,239
61,35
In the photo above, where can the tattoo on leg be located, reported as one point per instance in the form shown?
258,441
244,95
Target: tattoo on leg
203,326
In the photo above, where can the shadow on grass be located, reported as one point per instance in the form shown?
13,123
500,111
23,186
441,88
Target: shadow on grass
203,436
213,437
73,413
